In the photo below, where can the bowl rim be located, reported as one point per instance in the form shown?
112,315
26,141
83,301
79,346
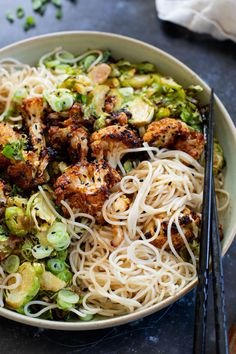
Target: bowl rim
119,320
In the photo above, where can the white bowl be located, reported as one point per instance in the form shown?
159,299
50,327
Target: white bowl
30,50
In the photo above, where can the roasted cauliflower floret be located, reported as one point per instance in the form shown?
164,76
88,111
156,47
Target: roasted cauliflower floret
33,111
7,136
173,133
85,186
189,222
107,142
20,165
74,139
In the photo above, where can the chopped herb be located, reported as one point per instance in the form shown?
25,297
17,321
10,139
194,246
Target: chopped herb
59,14
14,151
29,23
106,56
37,4
16,191
10,17
20,12
56,3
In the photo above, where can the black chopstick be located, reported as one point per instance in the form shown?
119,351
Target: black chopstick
218,283
210,241
203,270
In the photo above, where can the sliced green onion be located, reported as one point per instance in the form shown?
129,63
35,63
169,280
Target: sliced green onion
40,252
56,3
13,151
106,56
88,61
51,63
62,255
59,14
88,317
128,166
126,91
60,99
66,276
61,68
37,4
29,23
66,299
16,221
19,95
20,13
58,237
11,264
64,55
56,265
68,296
10,17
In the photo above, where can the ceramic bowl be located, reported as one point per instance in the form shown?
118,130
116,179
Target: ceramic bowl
30,50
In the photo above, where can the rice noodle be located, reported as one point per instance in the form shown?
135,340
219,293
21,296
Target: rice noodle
136,274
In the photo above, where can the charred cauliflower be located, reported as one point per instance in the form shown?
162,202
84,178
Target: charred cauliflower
173,133
74,139
86,186
32,110
189,222
108,141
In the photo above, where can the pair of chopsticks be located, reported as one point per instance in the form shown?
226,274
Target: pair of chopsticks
210,245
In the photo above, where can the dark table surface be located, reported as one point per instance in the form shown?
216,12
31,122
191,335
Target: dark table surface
169,331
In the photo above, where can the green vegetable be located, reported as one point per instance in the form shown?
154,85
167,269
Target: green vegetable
14,150
40,252
66,299
11,264
88,61
128,166
50,282
106,56
163,112
58,237
146,67
126,91
29,23
59,14
98,100
62,255
56,3
16,221
59,100
37,5
56,265
26,251
88,317
20,12
65,275
136,81
38,209
119,99
16,190
19,95
142,112
10,17
27,289
17,201
218,158
99,123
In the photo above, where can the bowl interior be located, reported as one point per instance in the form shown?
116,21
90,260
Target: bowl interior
31,50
